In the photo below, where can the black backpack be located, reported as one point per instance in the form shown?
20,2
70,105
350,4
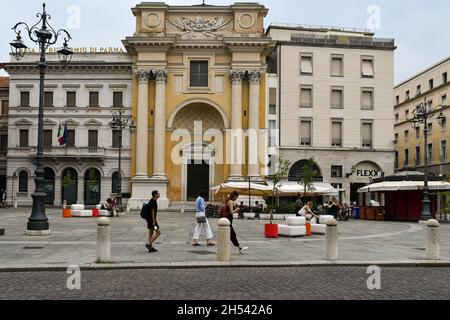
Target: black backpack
145,212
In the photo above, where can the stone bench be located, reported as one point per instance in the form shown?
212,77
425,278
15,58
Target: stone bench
78,211
295,227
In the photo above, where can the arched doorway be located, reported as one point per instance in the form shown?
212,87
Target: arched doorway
69,183
92,187
49,186
199,158
300,169
115,182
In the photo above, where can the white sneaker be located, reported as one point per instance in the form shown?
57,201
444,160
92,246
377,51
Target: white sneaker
243,249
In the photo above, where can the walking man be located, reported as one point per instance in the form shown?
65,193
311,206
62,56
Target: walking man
152,223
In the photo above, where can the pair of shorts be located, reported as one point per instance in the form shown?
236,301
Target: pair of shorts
150,225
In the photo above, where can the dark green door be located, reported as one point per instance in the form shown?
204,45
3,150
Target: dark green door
70,186
92,188
198,180
49,186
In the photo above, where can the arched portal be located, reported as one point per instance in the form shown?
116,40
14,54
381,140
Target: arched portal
49,186
92,187
300,168
69,183
200,152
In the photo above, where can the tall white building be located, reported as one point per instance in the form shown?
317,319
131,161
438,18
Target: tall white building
84,97
332,91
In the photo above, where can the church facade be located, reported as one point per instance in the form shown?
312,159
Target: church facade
199,79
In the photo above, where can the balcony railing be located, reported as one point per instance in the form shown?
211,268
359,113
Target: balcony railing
71,151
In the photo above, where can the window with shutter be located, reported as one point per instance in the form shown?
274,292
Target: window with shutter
93,139
116,139
444,150
118,99
306,64
337,99
71,99
93,99
25,99
337,68
430,153
70,138
272,101
367,68
444,78
272,133
367,135
367,100
3,143
306,97
48,138
5,107
406,160
417,155
305,133
48,99
336,134
199,74
23,139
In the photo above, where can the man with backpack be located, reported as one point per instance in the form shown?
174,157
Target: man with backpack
149,213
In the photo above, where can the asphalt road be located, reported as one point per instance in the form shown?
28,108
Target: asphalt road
325,283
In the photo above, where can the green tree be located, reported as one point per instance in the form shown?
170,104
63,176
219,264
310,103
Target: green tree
307,175
282,170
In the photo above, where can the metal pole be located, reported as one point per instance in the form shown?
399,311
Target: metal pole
38,221
119,182
426,212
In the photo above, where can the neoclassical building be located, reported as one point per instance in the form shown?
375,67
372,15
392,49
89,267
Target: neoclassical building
82,97
199,79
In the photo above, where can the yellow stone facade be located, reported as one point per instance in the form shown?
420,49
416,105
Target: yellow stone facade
167,40
433,86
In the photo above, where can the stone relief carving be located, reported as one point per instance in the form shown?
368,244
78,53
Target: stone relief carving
254,76
205,27
143,75
160,75
237,76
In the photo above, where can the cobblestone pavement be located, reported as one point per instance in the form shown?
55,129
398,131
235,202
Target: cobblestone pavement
73,241
338,283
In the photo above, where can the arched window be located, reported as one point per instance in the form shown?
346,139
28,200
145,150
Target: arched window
115,182
23,182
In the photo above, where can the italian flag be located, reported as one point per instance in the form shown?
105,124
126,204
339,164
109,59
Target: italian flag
62,135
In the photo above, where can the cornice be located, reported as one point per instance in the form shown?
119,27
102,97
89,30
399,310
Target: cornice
74,67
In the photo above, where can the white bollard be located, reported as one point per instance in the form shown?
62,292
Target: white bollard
331,240
64,206
103,240
433,247
223,241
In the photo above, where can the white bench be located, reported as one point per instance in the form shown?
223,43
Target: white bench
102,213
295,227
78,211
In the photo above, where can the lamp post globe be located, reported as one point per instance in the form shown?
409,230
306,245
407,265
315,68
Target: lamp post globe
44,36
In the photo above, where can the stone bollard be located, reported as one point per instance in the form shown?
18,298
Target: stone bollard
331,240
433,247
64,206
103,240
223,241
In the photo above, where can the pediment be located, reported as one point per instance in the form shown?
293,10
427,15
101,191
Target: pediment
23,123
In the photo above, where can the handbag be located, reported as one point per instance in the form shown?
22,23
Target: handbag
201,219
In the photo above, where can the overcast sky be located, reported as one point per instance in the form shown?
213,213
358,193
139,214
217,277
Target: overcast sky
420,27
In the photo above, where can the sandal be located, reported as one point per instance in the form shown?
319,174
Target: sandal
211,244
197,245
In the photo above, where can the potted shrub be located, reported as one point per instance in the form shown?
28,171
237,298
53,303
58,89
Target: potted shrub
283,166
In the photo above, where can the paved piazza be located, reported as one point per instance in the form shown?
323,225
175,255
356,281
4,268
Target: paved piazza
311,283
73,241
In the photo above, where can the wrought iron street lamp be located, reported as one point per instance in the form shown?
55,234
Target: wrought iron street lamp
45,36
119,123
422,113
